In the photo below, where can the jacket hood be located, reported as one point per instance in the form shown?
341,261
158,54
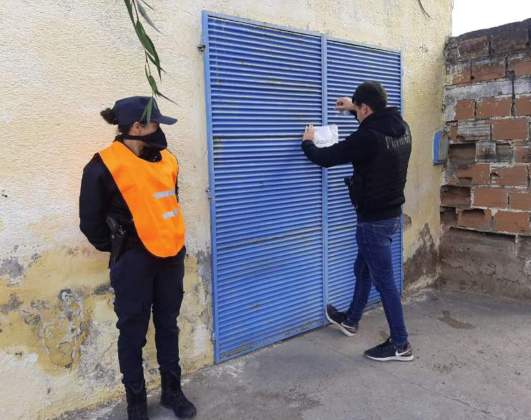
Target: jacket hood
388,122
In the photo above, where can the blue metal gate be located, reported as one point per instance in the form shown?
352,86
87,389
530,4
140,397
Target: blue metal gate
282,229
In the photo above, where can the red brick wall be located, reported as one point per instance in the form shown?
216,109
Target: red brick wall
486,195
488,115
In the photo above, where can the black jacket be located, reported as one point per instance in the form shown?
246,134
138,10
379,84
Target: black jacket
100,197
379,152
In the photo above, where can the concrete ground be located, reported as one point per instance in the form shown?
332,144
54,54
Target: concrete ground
472,362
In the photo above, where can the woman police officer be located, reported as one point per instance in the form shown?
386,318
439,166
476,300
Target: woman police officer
129,205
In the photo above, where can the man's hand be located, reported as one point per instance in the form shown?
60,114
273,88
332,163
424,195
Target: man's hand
344,104
309,133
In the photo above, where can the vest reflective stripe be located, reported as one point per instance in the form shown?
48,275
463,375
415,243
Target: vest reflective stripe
170,214
164,194
148,189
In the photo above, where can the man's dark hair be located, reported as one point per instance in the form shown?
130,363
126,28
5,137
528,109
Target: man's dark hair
372,94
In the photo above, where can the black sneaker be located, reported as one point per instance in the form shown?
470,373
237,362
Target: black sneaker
339,319
387,352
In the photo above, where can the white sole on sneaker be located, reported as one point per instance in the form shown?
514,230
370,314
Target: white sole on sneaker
393,358
338,325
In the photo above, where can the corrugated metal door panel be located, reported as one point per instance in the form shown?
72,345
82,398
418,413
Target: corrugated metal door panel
263,85
347,66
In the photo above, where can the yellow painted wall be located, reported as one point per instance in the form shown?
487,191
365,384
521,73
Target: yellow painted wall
62,62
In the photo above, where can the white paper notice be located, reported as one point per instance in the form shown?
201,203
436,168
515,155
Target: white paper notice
326,136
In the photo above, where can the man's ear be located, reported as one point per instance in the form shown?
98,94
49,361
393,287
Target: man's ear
366,109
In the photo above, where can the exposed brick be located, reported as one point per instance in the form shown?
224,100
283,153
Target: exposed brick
515,176
451,130
490,69
512,40
511,222
475,219
490,197
510,129
522,154
520,65
523,105
520,200
491,89
452,196
459,74
462,153
475,174
504,153
474,130
522,86
465,110
486,151
494,107
450,50
477,91
448,216
473,47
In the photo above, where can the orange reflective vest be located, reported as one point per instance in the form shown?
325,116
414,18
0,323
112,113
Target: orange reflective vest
148,188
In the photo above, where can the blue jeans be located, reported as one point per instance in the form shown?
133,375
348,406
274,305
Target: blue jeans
374,266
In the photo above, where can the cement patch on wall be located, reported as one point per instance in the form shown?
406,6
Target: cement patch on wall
486,263
421,269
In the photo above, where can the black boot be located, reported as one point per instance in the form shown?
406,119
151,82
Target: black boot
172,396
136,402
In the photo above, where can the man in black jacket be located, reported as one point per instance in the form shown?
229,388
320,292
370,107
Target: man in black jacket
379,152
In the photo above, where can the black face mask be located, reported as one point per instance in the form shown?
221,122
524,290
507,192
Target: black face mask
355,114
155,140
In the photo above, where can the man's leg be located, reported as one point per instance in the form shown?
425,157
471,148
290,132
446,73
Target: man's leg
348,321
378,240
168,297
362,288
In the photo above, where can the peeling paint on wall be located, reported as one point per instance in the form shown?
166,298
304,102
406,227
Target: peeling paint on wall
69,334
11,268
